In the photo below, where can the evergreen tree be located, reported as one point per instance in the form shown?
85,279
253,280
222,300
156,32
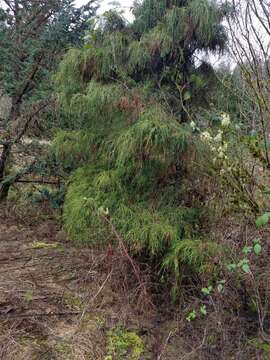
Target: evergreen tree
33,37
164,45
129,93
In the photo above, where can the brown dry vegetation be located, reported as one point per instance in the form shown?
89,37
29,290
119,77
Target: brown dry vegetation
58,301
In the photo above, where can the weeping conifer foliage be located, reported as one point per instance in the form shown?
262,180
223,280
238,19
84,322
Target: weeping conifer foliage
129,148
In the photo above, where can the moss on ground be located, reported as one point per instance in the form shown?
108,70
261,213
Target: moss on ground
124,345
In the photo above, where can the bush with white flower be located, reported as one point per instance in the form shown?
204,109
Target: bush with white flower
225,120
216,144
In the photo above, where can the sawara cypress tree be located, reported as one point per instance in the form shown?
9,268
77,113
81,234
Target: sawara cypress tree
129,93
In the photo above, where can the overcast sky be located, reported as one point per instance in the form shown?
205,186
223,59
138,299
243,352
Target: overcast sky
105,6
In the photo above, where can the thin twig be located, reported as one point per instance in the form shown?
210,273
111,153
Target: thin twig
197,348
171,333
96,295
135,267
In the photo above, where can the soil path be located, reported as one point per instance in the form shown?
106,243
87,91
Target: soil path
46,285
60,302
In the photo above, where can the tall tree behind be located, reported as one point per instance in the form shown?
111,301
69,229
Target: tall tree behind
33,36
163,45
250,48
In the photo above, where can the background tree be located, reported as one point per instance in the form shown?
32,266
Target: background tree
33,37
250,43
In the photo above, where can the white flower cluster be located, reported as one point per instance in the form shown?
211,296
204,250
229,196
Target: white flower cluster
216,144
193,125
206,137
225,120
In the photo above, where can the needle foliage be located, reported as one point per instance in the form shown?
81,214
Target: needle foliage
129,149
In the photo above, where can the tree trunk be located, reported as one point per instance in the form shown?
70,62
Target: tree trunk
4,188
13,115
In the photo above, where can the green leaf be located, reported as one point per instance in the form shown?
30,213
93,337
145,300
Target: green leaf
191,316
263,220
231,267
257,249
187,95
243,262
247,249
246,268
203,310
208,290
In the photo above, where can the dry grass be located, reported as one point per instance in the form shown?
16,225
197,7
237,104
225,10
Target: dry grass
58,301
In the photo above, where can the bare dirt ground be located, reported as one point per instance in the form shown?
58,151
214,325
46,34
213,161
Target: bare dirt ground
61,302
58,301
43,288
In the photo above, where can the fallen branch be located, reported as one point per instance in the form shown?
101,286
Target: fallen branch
38,181
22,316
11,179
